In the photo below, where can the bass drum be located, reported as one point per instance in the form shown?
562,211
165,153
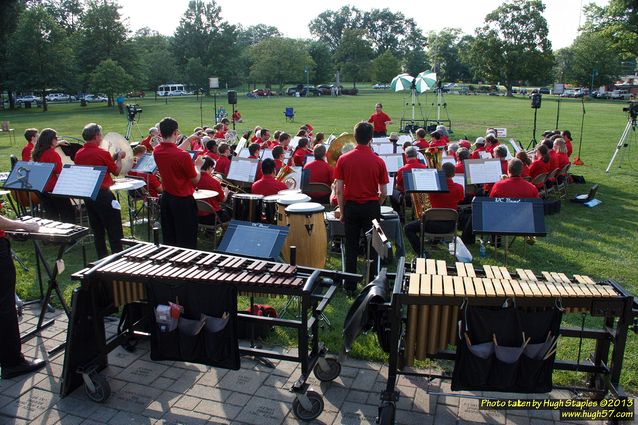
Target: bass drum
308,233
270,209
247,207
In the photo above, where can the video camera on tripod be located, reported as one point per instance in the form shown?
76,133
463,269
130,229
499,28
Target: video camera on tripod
132,111
632,110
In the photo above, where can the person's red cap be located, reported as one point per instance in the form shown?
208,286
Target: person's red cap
465,144
309,127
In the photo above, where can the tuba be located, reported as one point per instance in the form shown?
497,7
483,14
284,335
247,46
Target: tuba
114,143
284,175
336,147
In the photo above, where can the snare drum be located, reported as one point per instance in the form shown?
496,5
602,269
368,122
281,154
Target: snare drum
284,201
270,209
247,207
308,233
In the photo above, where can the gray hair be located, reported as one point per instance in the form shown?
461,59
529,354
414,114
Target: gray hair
453,147
463,153
90,131
411,152
501,151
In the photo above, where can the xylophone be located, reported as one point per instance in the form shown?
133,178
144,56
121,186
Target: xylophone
431,328
50,231
433,292
138,272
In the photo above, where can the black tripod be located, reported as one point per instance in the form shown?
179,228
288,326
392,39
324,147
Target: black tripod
536,104
624,141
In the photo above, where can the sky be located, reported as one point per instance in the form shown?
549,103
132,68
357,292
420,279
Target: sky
291,17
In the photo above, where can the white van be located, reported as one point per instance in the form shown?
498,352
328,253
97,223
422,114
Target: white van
620,95
172,89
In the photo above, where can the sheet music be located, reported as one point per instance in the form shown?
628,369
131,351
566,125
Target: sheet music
425,179
330,139
383,148
483,171
379,140
449,159
240,145
243,153
266,153
146,164
405,138
390,186
517,148
77,181
296,176
294,142
309,159
243,170
460,179
392,162
485,155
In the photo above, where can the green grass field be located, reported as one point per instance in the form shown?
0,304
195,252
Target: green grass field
599,242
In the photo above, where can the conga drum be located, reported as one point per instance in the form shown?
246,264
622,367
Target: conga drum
284,201
247,207
388,212
270,209
308,233
288,192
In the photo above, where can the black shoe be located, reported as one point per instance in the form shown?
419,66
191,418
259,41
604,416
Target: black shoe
25,366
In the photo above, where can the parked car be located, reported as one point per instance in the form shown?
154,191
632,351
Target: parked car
29,99
620,95
568,93
92,98
522,91
135,93
58,97
176,93
543,90
381,86
303,90
326,89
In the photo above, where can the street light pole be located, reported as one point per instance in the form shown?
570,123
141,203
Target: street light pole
594,72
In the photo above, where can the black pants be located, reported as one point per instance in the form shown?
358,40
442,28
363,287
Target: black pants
9,332
58,209
103,218
413,231
178,216
379,134
358,218
223,215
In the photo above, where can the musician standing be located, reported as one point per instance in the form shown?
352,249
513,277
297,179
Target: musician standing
31,134
178,208
12,362
380,120
361,178
104,212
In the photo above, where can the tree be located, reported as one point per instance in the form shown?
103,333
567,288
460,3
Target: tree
157,62
322,57
385,67
385,29
618,21
38,52
415,62
68,13
255,33
110,78
562,64
443,53
513,46
9,12
353,56
279,60
195,73
329,26
589,52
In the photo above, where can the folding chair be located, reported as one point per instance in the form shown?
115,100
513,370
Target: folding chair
321,191
550,182
6,128
439,224
205,207
289,113
562,180
539,180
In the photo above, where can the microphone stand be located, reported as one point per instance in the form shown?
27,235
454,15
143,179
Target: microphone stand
577,160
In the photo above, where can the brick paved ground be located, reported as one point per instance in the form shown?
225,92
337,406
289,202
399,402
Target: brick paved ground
146,392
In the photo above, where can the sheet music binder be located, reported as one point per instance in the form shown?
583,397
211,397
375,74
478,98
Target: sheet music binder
508,216
145,164
480,171
86,186
29,176
410,184
237,162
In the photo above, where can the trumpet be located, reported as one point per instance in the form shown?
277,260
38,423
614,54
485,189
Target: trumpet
225,183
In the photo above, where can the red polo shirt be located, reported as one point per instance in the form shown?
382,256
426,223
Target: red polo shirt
563,159
437,143
525,172
362,171
278,164
26,151
273,143
539,167
147,143
208,182
568,145
378,120
267,186
422,144
412,163
514,187
92,155
152,182
176,168
222,165
219,135
319,172
476,154
299,157
52,157
448,199
553,160
491,148
459,168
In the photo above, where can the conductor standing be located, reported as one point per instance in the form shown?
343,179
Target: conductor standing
361,178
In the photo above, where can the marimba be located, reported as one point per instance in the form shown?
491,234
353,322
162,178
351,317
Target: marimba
133,274
433,292
57,233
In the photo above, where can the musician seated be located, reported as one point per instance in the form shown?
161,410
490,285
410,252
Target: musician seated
452,149
31,135
254,153
437,140
211,148
319,139
541,164
153,185
237,116
412,161
319,171
208,182
461,155
420,141
300,153
480,147
501,153
522,155
264,138
443,132
222,165
152,140
284,140
256,134
267,185
226,124
491,143
450,199
514,186
566,135
278,156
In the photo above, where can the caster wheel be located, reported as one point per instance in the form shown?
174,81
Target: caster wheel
386,414
316,407
329,374
101,389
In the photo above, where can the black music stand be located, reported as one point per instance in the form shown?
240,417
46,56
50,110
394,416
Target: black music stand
508,217
377,240
424,180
